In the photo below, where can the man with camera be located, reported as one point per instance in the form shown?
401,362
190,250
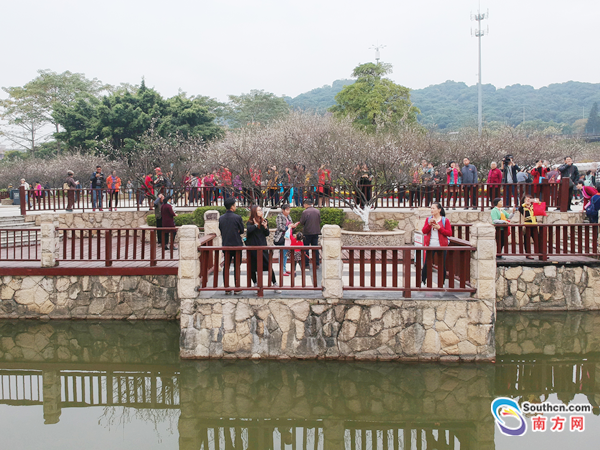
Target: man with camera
509,176
570,171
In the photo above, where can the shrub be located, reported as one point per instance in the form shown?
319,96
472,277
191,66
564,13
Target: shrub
353,225
332,216
184,219
151,220
390,224
272,221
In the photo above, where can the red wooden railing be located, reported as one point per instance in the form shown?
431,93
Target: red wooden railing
4,194
206,261
392,268
241,263
475,196
461,231
18,244
116,244
547,240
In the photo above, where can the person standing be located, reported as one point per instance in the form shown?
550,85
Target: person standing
129,190
70,185
570,171
509,176
538,173
311,223
149,188
27,187
113,183
168,221
453,180
232,228
284,222
324,180
98,182
494,179
436,230
158,215
256,235
528,218
500,217
469,180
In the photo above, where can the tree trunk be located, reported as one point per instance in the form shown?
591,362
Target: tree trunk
363,213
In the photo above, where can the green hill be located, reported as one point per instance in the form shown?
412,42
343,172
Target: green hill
454,104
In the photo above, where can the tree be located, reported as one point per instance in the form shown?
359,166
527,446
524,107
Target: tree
120,119
257,107
593,123
374,102
31,106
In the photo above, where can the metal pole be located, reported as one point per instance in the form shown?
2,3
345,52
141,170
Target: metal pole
480,90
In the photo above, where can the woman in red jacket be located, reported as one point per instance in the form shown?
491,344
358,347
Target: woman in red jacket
436,230
494,180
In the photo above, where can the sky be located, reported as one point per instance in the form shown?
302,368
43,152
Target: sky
221,47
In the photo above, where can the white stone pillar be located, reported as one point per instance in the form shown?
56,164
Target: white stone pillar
211,226
483,261
188,275
49,242
333,285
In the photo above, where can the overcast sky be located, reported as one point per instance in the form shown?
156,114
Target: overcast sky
216,48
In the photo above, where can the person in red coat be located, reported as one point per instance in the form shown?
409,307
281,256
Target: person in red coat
494,179
436,231
538,172
168,221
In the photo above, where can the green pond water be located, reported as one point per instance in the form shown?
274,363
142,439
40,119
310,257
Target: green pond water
121,385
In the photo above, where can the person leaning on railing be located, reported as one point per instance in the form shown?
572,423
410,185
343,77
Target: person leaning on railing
500,216
528,218
436,230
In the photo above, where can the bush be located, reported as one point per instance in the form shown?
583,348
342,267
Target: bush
390,224
199,213
151,220
353,225
332,216
184,219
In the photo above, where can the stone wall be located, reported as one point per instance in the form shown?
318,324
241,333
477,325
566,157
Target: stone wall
449,330
87,297
550,334
87,342
551,287
368,238
104,219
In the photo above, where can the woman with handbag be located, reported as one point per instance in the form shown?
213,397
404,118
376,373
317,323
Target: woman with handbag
284,222
256,235
436,231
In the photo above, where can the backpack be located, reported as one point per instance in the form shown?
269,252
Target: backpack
588,180
443,221
594,206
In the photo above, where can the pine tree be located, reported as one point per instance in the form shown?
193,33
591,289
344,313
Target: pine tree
593,123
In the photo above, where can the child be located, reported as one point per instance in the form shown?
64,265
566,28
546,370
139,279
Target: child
298,240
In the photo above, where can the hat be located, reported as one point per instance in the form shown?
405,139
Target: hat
70,172
157,169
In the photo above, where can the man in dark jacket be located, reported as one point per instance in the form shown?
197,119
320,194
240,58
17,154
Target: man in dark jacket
98,183
232,228
469,181
509,176
158,215
570,171
311,223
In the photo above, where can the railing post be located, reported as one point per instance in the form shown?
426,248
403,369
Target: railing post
108,247
563,194
483,262
333,285
188,275
543,243
153,248
22,200
211,226
49,242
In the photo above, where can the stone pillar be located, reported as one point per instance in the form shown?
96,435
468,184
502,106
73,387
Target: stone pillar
188,275
333,285
483,261
51,396
49,242
211,226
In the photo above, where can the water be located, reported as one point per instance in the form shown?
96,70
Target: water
121,385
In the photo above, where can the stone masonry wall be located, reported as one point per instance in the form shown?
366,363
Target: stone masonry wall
552,287
112,297
449,330
104,219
